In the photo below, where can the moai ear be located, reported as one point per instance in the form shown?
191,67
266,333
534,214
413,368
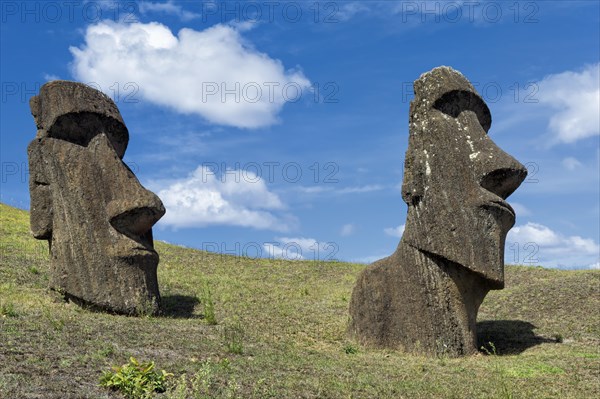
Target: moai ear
413,182
415,168
34,106
39,189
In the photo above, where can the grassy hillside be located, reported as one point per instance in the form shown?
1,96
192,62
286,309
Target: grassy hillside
280,333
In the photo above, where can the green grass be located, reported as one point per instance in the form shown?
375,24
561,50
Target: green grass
280,333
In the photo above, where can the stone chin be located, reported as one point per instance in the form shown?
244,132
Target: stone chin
486,263
472,236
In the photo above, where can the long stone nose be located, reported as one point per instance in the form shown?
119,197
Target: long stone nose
132,210
135,210
135,216
499,172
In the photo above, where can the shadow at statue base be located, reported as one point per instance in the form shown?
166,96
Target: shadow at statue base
179,306
509,337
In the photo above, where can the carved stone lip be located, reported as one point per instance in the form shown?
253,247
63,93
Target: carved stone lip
138,253
151,250
500,205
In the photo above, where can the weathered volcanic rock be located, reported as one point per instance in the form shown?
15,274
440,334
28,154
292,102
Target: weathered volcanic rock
88,204
425,297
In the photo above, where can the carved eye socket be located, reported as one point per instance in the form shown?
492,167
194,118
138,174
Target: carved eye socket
81,127
454,102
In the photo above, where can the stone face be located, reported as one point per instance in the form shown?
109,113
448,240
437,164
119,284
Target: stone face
88,204
425,297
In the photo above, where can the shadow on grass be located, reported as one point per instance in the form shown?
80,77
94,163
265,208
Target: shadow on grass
179,306
510,337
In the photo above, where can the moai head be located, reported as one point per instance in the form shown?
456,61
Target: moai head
88,204
456,179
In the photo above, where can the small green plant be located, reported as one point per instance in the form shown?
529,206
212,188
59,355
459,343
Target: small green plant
262,390
146,307
179,389
209,305
491,351
135,380
441,351
8,310
558,338
204,383
350,349
233,337
203,380
56,323
506,393
104,352
232,389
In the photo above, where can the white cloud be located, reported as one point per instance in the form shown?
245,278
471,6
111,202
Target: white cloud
314,189
419,12
394,231
299,248
50,77
195,72
236,198
168,7
348,10
571,163
347,230
334,190
361,189
535,243
534,232
103,4
575,97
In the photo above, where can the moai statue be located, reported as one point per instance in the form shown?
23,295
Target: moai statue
424,298
88,204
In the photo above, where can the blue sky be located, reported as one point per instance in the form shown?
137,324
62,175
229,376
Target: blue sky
279,128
